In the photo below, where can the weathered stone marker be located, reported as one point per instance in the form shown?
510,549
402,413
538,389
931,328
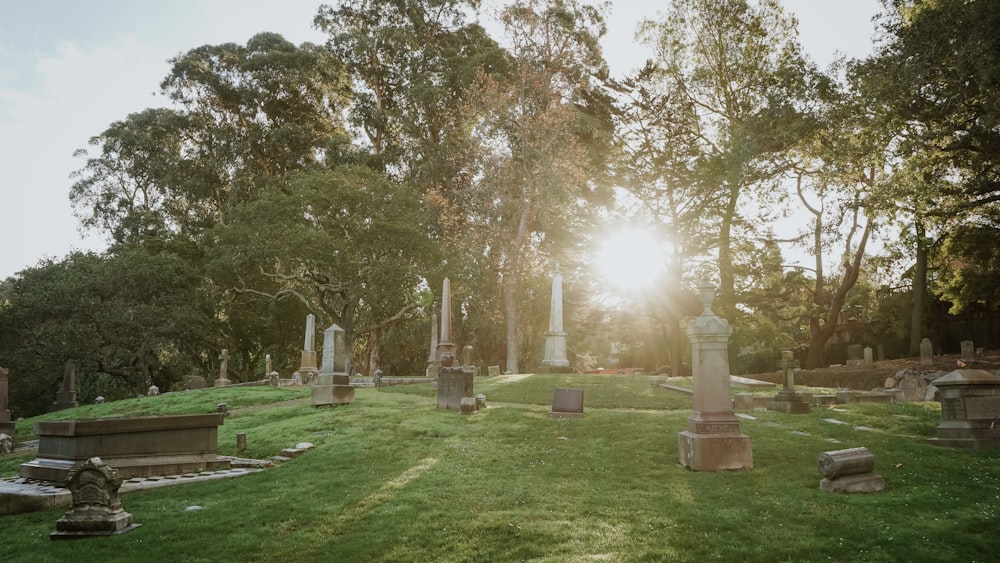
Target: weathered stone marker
869,357
493,371
788,400
333,384
96,509
555,359
968,351
567,403
970,410
849,471
241,441
223,381
926,352
307,366
432,363
66,396
6,426
712,441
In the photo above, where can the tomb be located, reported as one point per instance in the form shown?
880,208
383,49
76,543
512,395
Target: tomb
970,410
135,446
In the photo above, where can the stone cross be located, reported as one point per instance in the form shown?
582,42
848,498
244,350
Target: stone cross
223,364
788,363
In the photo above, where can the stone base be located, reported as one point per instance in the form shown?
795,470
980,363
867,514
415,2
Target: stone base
469,405
860,483
969,434
554,369
554,414
222,382
791,402
82,523
715,452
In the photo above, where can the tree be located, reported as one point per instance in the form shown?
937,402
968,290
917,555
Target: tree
533,145
135,316
348,244
739,67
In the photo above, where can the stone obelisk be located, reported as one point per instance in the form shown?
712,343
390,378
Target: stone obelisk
712,441
555,359
308,371
66,396
454,382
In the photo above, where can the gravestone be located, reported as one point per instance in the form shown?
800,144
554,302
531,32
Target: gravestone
454,382
308,371
849,471
554,360
970,410
96,510
788,400
99,400
192,382
6,443
926,352
467,352
493,371
567,403
968,351
223,381
468,405
272,378
855,355
6,425
153,391
333,384
267,366
869,360
66,396
712,441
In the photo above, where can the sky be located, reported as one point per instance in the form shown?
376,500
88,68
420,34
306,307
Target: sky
68,69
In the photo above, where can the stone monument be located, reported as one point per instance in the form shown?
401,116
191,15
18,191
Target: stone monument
96,509
432,364
554,360
926,352
333,384
267,366
307,367
223,381
968,351
6,426
849,471
970,410
566,403
712,441
454,382
788,400
66,396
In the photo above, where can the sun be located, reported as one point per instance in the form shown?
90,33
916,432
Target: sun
630,259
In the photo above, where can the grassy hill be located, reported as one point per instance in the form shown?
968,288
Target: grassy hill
391,478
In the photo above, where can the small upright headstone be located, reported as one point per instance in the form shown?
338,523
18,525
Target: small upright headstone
968,351
869,358
567,403
467,355
153,390
854,355
6,443
926,352
222,408
96,509
493,371
66,397
99,400
272,378
6,426
223,369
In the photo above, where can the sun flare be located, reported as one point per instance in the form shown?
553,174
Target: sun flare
631,258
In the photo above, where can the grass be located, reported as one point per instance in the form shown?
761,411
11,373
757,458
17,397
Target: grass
394,479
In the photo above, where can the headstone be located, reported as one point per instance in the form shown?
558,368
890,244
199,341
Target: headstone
454,382
567,403
223,381
468,405
99,400
554,359
6,425
869,359
788,400
480,401
926,352
333,384
854,355
849,471
153,391
241,441
712,441
272,378
96,509
66,396
222,408
6,443
968,351
493,371
192,382
267,365
970,410
307,366
467,355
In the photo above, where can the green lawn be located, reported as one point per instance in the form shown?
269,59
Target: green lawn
394,479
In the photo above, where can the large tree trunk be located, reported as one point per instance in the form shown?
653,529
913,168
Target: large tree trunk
919,290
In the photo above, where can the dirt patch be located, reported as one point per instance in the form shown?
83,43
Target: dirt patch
861,378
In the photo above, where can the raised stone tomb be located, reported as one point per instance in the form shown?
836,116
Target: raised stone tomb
135,446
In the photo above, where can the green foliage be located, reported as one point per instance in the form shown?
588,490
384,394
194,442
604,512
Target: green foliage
533,487
134,316
968,267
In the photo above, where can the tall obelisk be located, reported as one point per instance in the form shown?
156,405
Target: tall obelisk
555,359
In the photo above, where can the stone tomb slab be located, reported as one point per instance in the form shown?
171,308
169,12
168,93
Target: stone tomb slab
135,446
567,403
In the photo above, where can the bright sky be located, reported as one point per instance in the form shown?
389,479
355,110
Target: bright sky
68,69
